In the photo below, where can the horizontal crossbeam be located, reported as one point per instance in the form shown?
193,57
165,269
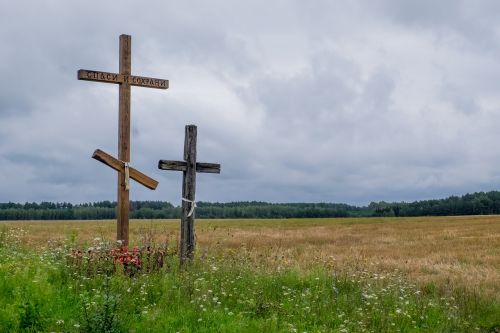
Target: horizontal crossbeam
120,167
133,80
182,166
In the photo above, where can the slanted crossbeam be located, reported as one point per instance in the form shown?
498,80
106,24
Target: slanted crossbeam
125,80
189,168
120,167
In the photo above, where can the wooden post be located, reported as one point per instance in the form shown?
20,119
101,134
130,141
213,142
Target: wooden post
124,139
189,167
124,79
188,192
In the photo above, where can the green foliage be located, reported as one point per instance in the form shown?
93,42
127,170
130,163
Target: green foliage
165,210
29,317
225,292
480,203
100,311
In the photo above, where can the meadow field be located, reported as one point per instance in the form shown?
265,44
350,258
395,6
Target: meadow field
429,274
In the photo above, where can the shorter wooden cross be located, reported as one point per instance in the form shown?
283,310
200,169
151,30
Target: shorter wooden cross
189,167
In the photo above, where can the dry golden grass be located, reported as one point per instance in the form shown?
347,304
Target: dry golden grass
452,252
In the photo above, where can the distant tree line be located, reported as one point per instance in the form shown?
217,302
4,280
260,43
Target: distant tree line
479,203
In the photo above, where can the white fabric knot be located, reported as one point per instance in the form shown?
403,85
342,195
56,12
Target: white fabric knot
193,206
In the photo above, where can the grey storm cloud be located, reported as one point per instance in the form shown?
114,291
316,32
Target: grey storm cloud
299,101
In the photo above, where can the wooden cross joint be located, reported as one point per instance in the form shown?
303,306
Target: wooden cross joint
120,167
182,166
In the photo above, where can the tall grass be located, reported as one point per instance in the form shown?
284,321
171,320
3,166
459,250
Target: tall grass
45,290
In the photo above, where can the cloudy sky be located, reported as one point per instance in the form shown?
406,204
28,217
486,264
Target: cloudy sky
300,101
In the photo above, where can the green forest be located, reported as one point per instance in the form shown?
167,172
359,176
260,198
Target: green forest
480,203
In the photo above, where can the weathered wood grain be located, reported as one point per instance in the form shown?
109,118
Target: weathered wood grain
119,166
189,167
207,167
133,80
182,166
188,191
87,75
124,138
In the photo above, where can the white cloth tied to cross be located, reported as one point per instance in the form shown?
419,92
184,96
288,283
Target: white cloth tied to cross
127,175
193,206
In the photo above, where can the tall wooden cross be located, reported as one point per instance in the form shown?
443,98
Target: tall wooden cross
189,167
124,79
